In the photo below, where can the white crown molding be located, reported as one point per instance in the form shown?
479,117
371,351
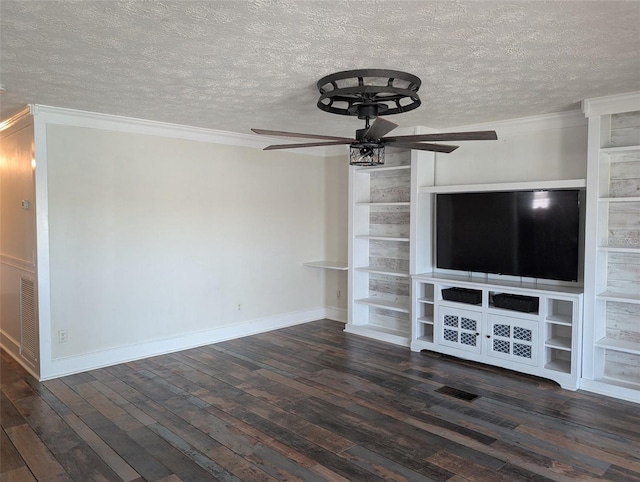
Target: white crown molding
79,118
523,125
15,118
611,104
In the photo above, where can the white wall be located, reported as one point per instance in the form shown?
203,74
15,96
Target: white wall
154,242
541,148
17,234
337,218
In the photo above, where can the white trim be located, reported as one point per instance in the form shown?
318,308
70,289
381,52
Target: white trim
609,390
611,104
89,361
377,334
15,118
523,125
42,242
336,314
20,264
9,344
12,347
504,186
79,118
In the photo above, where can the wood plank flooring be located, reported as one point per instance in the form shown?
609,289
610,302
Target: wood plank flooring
309,403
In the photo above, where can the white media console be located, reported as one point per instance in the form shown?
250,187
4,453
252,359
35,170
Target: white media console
543,341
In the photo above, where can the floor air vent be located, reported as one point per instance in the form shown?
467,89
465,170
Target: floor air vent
454,392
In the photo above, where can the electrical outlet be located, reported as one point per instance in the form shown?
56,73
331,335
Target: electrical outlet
62,336
338,294
239,306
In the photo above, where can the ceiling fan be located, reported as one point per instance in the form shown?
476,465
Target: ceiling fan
369,94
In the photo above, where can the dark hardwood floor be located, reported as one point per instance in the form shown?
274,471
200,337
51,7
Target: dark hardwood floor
309,403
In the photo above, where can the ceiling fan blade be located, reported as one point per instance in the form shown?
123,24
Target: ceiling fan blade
446,136
423,146
379,128
266,132
308,144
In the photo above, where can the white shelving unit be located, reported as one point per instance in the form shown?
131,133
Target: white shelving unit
545,342
379,212
384,244
612,246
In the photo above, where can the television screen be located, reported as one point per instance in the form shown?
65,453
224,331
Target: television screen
521,233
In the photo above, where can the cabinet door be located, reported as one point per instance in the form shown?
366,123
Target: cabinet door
513,339
459,328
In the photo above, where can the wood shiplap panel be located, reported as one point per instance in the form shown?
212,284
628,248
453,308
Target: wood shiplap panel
389,249
623,321
624,225
625,129
389,221
396,157
393,255
390,186
623,273
622,366
389,319
389,287
624,178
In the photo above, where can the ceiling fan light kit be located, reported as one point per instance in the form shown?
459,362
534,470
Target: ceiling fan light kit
366,154
369,94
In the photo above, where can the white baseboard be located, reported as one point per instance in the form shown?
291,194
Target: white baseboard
12,347
90,361
336,314
610,390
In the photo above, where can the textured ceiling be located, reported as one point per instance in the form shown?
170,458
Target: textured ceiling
233,65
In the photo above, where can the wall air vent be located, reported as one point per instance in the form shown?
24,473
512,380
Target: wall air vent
28,320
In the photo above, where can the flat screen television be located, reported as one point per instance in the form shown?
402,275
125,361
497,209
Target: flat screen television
531,234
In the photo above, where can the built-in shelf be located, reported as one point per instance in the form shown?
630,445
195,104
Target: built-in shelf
337,265
495,284
425,300
619,345
426,320
563,366
382,238
384,204
511,186
386,168
628,199
384,271
614,249
559,343
559,319
614,150
389,305
380,233
378,332
631,386
620,297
